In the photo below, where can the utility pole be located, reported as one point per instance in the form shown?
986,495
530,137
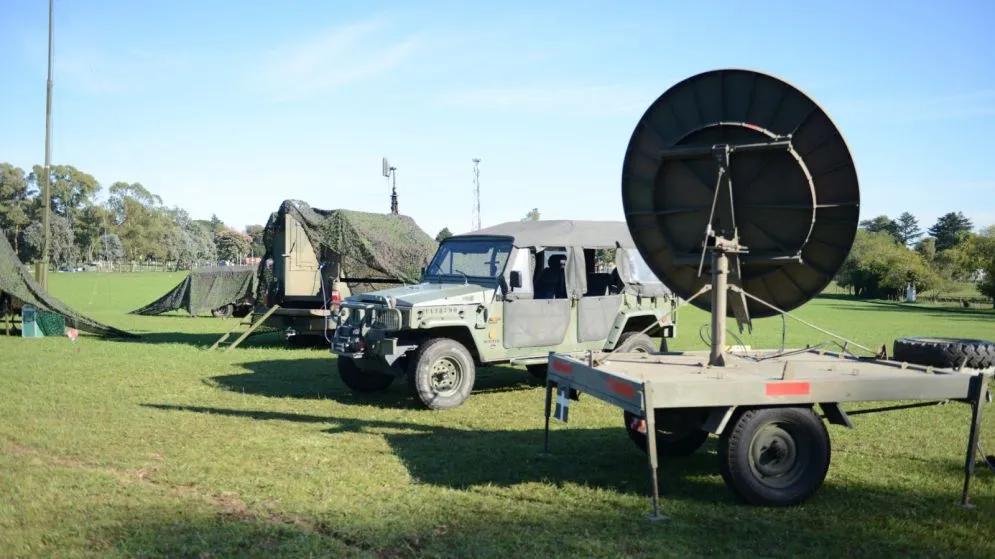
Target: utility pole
476,194
41,271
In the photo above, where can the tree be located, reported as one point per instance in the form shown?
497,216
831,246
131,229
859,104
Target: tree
14,202
109,248
985,246
62,249
232,245
907,227
881,223
255,232
927,249
533,215
878,267
444,234
71,189
950,229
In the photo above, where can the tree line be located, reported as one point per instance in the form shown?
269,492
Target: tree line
889,255
131,225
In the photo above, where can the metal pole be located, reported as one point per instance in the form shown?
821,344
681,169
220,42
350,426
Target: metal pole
42,271
720,269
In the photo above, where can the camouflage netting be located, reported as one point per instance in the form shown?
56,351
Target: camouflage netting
17,282
206,289
370,245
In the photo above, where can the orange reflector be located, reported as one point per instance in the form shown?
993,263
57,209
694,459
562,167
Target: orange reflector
561,367
788,388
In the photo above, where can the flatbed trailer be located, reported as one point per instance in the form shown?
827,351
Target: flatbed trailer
759,405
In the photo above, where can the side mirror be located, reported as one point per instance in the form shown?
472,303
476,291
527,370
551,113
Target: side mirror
516,279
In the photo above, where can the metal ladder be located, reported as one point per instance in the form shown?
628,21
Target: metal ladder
252,328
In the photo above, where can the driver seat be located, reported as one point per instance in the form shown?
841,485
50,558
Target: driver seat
552,282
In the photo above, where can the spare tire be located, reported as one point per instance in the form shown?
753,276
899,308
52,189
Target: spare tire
945,352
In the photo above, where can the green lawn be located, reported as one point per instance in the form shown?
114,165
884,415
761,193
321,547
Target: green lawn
156,448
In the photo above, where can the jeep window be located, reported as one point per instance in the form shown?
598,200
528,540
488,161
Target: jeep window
466,259
639,271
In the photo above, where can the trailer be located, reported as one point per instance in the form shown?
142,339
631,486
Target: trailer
774,449
738,186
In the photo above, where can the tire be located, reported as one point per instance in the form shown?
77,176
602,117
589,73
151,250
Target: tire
945,352
641,343
442,374
224,311
677,433
538,370
361,381
797,436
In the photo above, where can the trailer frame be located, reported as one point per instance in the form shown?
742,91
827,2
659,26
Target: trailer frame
806,377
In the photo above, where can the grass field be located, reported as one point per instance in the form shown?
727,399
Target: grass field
154,448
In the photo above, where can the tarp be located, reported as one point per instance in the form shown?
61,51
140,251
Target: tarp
206,289
560,233
17,281
370,245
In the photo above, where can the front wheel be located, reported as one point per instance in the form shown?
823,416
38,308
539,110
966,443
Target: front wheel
775,456
359,380
442,374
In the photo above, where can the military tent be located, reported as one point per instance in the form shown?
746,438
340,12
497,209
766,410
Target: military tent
223,289
18,285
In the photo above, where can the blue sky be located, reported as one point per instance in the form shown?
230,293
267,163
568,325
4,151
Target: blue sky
232,107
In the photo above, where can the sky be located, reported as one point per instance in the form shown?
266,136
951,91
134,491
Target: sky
229,108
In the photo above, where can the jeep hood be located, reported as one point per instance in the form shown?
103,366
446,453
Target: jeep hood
427,293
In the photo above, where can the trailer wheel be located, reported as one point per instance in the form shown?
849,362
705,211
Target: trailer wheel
775,456
359,380
442,374
677,433
945,352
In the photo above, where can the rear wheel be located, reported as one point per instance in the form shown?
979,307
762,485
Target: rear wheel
223,311
678,432
635,342
538,370
359,380
775,456
442,374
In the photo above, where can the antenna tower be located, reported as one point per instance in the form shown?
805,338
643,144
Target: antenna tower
476,194
390,172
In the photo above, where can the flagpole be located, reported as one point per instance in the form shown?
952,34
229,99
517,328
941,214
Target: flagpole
47,194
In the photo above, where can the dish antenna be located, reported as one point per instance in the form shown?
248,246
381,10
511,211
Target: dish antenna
742,167
388,171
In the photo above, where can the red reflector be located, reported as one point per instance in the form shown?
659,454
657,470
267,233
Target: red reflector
561,367
335,296
623,389
788,388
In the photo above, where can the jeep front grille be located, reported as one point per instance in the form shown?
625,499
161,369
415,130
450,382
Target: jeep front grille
387,319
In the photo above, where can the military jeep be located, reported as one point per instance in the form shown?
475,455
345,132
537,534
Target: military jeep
511,293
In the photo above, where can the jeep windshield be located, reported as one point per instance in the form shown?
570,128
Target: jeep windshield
469,259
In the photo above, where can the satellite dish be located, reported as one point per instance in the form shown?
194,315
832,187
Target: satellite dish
746,167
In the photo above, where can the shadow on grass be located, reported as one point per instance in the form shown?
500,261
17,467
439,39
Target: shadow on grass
317,378
939,312
842,520
464,458
204,340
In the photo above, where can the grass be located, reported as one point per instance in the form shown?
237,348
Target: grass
154,448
